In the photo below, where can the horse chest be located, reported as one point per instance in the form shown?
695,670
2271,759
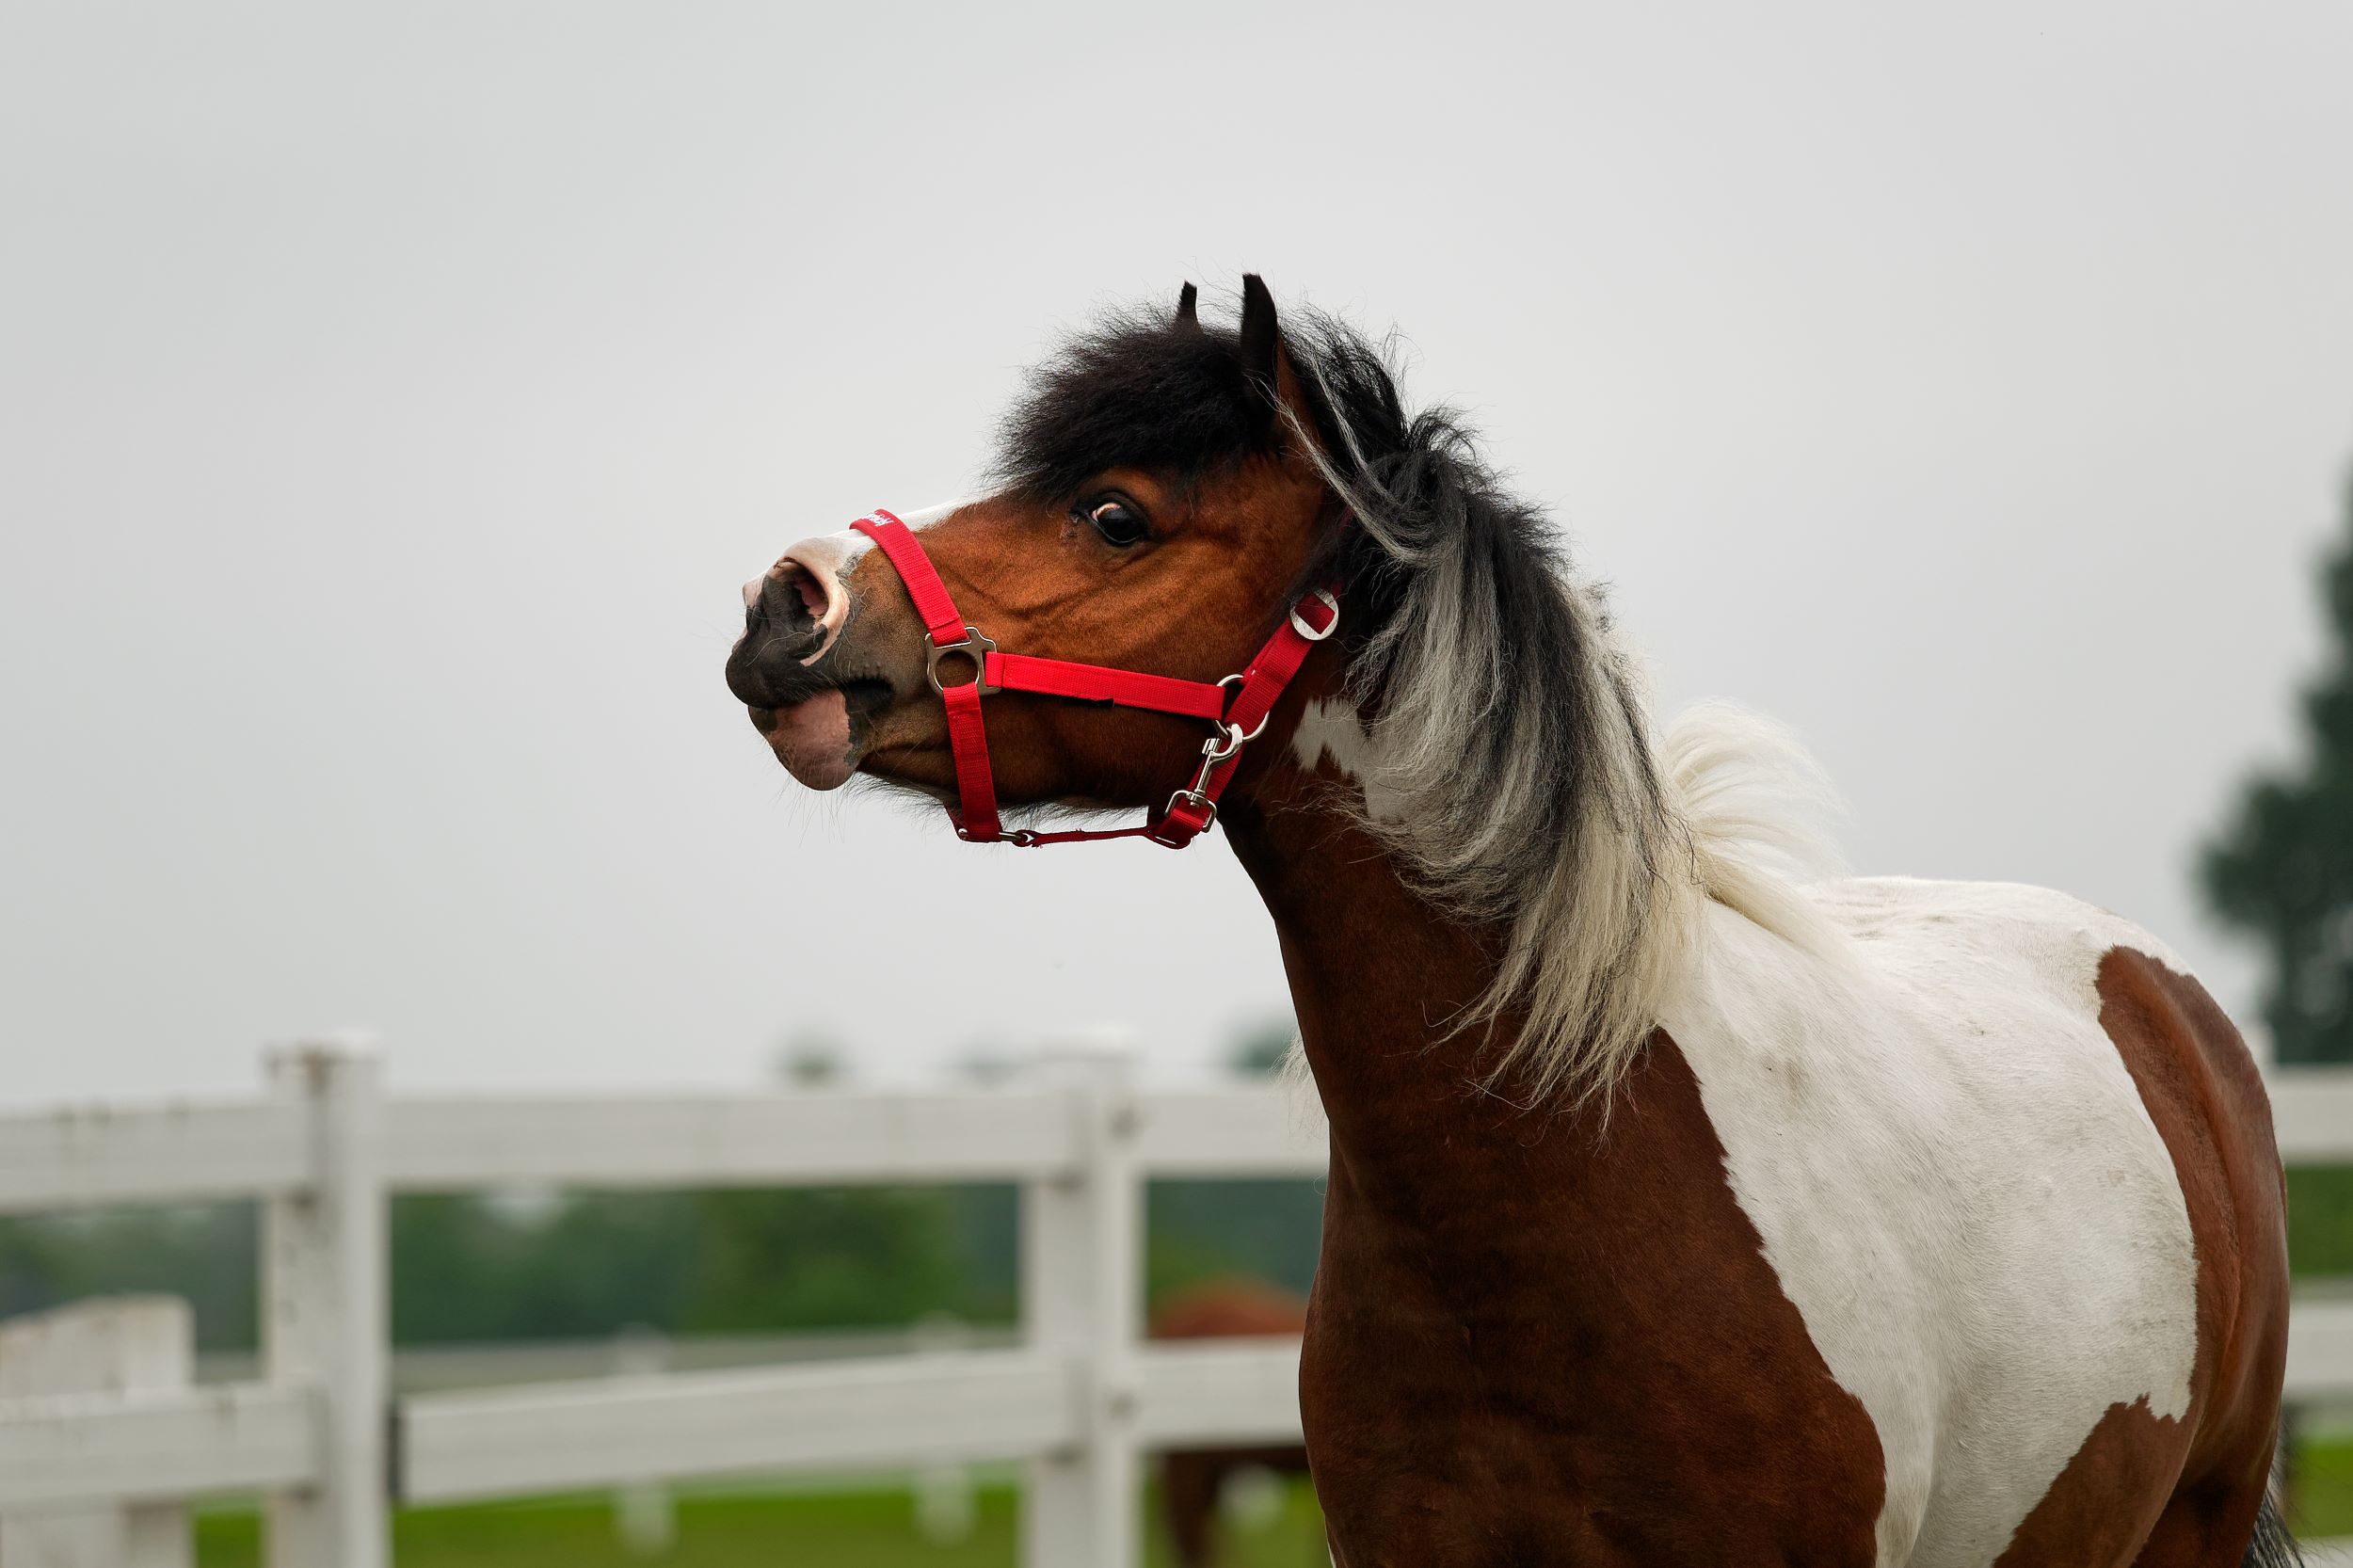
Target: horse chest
1577,1355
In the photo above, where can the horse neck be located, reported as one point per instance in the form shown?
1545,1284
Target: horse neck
1376,973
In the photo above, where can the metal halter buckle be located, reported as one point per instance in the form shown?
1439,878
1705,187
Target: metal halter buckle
1217,750
976,647
1200,802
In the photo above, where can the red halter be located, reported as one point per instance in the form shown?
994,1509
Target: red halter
1238,705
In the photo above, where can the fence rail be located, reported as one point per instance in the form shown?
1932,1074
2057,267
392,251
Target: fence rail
70,1449
1003,1404
182,1153
1076,1399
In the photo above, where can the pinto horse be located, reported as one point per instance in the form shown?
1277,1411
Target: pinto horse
1688,1204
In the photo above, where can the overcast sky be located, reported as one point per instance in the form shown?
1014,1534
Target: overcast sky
392,401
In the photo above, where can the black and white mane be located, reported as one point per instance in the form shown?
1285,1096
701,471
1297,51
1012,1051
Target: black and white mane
1505,751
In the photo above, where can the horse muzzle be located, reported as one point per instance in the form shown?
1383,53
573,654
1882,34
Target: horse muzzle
792,617
811,695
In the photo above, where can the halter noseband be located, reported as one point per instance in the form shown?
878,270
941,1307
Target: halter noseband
1238,705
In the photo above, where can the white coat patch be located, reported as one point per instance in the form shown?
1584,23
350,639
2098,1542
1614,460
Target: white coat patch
1332,731
1956,1182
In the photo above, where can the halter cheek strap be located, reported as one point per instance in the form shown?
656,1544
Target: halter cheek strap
1238,705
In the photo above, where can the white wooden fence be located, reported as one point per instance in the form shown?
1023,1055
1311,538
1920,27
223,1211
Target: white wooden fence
1078,1398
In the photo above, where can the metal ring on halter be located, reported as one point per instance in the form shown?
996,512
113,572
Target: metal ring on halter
975,647
1020,837
1228,740
1331,603
1234,683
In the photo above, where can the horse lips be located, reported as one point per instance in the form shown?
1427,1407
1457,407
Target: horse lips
812,740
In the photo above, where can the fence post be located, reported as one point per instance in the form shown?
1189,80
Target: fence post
1082,1291
644,1515
122,1344
324,1317
946,1511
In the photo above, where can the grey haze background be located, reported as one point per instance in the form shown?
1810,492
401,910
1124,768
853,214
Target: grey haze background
393,398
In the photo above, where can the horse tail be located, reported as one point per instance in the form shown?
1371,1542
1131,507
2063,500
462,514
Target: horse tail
2271,1547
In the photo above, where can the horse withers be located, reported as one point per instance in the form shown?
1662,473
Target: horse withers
1689,1204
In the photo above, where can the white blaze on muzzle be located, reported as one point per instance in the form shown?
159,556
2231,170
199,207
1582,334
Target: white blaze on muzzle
830,559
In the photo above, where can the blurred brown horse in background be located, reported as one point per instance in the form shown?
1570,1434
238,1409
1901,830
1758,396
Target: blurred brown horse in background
1192,1480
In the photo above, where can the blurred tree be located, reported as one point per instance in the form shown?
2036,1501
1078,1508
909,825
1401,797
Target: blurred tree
829,1259
812,1059
987,1226
1259,1050
206,1252
2282,868
1198,1230
465,1270
986,1063
455,1264
33,1266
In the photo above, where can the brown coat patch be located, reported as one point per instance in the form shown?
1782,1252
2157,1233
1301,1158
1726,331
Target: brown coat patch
2182,1493
1574,1353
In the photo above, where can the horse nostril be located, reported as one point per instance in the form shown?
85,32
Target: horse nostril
792,613
794,596
777,616
815,600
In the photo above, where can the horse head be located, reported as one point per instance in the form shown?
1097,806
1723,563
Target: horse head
1159,509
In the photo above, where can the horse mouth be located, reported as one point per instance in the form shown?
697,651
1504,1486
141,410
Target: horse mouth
820,738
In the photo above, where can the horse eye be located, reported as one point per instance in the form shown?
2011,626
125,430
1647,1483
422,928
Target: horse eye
1120,525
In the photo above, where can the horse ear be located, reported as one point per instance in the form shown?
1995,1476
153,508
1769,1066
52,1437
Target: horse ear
1262,349
1262,340
1188,316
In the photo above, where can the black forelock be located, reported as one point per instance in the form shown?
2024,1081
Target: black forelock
1132,390
1143,389
1140,388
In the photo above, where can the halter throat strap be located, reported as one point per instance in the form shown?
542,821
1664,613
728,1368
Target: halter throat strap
1237,705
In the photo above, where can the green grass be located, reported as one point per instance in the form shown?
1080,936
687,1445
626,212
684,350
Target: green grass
858,1529
2324,1489
2320,1220
875,1530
